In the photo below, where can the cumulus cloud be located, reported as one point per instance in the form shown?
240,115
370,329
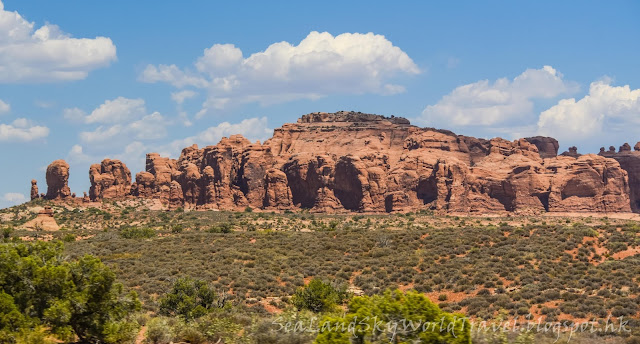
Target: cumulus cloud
77,156
4,107
118,110
22,130
252,128
180,96
111,127
14,198
74,114
606,112
149,127
484,104
172,75
118,121
320,65
47,54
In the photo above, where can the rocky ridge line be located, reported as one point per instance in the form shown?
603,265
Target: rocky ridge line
351,161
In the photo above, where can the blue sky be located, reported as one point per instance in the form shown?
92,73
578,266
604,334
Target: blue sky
85,80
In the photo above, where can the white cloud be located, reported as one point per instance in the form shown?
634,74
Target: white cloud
77,156
102,134
219,59
150,127
319,65
492,104
118,110
180,96
74,114
134,154
117,129
4,107
22,130
14,198
111,127
47,54
606,112
251,128
172,75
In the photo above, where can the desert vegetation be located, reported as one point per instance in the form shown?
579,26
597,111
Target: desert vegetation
234,277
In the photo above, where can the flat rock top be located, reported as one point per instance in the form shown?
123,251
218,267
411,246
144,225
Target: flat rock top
350,117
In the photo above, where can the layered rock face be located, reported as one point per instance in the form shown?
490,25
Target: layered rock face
630,161
348,161
57,180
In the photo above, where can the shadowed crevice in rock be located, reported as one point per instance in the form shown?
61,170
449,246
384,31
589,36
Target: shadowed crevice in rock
304,181
348,185
427,190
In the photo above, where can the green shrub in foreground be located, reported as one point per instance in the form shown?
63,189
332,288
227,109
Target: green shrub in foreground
371,319
189,298
70,299
318,296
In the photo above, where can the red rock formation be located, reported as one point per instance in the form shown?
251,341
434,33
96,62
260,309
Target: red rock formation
630,162
589,183
573,152
277,192
111,180
144,185
163,170
359,162
57,180
547,146
34,190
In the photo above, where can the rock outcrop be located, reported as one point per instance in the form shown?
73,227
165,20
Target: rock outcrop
34,190
57,180
44,221
349,161
629,161
111,179
547,146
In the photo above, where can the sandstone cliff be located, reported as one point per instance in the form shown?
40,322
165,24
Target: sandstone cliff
630,161
348,161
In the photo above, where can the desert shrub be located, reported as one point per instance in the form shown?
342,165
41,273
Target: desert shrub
225,227
318,296
69,237
177,228
159,331
6,232
189,298
387,309
70,298
137,232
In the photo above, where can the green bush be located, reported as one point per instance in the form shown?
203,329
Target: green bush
177,229
137,233
225,227
69,237
189,298
367,314
70,298
318,296
159,331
